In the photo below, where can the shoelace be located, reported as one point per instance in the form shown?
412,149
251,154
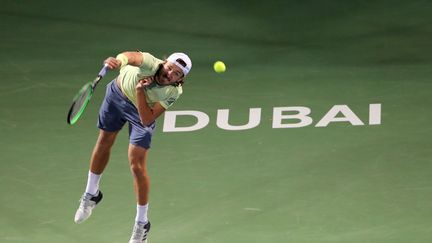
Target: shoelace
85,202
139,232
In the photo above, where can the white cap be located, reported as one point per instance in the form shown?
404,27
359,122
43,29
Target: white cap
178,55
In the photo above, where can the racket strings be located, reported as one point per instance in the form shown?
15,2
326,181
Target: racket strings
79,104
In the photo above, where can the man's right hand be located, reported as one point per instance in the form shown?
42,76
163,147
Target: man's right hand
112,63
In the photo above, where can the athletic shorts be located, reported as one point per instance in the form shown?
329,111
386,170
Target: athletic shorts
116,110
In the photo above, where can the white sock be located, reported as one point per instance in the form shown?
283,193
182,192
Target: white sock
141,215
92,183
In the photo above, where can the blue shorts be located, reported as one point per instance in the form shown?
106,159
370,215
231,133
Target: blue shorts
116,109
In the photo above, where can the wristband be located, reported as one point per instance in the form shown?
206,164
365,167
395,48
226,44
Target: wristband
123,59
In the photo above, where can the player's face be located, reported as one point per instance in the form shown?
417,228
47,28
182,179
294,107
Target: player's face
170,74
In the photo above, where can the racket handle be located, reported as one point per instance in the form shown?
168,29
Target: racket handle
103,71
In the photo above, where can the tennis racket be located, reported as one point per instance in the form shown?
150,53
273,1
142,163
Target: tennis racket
82,98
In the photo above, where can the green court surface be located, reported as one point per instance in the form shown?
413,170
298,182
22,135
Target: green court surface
334,184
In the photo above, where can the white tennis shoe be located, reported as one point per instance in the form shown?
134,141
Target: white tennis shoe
140,232
87,203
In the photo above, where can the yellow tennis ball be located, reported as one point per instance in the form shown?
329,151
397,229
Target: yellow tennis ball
219,67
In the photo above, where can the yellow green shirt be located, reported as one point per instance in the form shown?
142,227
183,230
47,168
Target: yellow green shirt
130,75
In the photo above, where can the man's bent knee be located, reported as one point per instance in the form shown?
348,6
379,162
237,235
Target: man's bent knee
106,139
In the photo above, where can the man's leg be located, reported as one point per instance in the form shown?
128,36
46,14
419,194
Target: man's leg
138,165
98,162
99,159
102,151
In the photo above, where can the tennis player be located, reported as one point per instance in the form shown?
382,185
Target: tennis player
144,89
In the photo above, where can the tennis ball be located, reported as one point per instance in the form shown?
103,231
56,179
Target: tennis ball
219,67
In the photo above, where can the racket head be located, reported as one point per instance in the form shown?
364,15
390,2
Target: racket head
79,103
